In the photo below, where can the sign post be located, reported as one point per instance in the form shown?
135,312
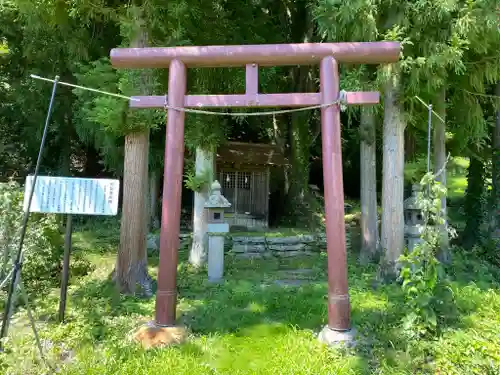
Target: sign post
65,269
69,195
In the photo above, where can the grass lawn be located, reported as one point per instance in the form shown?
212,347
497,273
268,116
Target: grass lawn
457,177
253,325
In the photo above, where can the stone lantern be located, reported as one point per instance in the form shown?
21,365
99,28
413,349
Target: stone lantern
414,220
217,229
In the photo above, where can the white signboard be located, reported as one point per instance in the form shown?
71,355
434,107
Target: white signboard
68,195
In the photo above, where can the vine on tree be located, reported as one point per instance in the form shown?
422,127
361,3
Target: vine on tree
424,281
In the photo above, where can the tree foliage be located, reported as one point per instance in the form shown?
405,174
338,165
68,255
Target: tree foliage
453,43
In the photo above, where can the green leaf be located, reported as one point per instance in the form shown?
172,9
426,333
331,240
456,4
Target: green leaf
431,317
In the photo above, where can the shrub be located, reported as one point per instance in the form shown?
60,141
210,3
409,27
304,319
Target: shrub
43,243
490,251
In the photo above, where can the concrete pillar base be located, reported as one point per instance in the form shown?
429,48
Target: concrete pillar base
332,337
151,335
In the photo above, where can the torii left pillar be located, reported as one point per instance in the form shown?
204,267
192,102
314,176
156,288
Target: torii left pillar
328,55
166,296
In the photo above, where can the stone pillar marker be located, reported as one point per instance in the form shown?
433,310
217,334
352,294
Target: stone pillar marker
217,229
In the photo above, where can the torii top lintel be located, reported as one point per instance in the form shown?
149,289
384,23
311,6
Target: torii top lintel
264,54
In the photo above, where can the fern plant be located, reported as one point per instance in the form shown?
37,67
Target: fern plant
197,182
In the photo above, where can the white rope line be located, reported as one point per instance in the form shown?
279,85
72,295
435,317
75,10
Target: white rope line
244,114
7,278
340,100
84,88
429,107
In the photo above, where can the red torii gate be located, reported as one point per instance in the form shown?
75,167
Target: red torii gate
328,55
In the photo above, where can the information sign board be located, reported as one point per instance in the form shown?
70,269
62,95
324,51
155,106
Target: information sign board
71,195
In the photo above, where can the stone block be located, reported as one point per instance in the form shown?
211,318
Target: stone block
315,247
283,240
287,247
249,240
248,248
287,254
290,240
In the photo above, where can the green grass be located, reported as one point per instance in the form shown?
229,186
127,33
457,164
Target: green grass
251,325
457,177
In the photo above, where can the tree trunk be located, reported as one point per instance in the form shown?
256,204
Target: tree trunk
199,248
299,141
369,221
474,201
131,272
392,239
301,31
299,147
92,167
495,194
280,137
280,127
439,166
131,263
154,188
410,146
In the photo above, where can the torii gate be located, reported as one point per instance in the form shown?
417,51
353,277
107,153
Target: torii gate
328,55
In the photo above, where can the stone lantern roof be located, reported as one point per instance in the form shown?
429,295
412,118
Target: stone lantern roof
216,199
412,202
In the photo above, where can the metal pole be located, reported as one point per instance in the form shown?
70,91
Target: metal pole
338,294
166,295
236,198
19,258
429,126
65,270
